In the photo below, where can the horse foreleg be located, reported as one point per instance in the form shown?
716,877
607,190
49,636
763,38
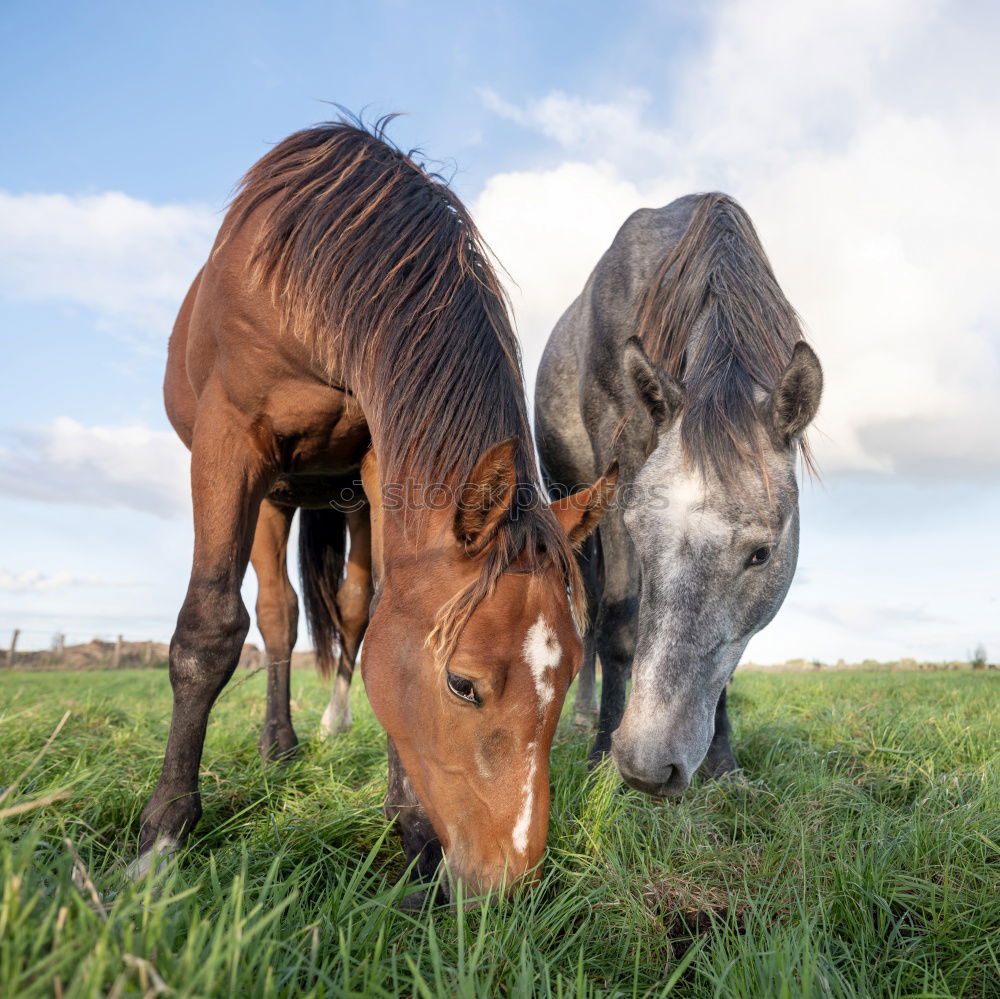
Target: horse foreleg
354,598
719,760
585,700
228,480
420,842
277,619
614,631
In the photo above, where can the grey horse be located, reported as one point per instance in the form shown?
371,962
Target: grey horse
682,359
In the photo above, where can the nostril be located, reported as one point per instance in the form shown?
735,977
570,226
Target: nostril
662,783
632,775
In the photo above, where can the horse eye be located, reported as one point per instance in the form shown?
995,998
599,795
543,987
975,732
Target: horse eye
760,557
463,687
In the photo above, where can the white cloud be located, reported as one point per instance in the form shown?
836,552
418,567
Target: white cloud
126,260
67,462
616,128
35,581
872,202
548,228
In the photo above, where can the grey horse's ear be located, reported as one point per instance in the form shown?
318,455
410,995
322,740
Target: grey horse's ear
662,395
795,399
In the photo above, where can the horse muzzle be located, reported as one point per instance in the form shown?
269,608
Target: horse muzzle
654,775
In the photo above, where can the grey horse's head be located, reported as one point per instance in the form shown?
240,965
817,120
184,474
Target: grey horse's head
717,555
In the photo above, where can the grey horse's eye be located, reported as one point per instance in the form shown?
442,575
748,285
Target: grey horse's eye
463,688
761,556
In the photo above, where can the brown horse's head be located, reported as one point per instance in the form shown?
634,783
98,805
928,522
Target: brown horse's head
467,665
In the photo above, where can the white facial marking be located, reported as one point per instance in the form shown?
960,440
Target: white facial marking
542,652
686,511
523,823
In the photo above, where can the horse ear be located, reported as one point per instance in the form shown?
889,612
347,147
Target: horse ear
795,400
486,498
662,395
579,513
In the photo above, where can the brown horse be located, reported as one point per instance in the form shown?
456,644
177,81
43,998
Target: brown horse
349,313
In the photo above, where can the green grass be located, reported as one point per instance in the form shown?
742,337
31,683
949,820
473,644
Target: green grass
861,856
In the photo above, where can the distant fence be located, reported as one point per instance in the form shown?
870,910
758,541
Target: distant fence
117,653
95,654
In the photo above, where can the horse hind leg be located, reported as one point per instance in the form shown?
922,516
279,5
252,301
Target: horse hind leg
585,701
277,619
353,606
228,478
337,715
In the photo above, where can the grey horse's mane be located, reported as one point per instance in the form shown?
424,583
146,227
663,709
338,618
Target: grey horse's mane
713,317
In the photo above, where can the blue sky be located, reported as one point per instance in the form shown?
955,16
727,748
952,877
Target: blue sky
858,135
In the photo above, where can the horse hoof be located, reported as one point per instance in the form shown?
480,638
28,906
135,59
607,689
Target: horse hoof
414,901
155,860
333,723
724,767
733,775
278,745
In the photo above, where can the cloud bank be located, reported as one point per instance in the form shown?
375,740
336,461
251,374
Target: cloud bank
35,581
67,462
126,260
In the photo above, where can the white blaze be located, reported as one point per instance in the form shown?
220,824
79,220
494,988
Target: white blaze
686,512
523,823
542,652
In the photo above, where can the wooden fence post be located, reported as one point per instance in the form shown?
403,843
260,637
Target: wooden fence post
60,647
117,658
13,648
149,652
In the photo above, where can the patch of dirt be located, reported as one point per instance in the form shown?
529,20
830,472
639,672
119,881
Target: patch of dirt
688,910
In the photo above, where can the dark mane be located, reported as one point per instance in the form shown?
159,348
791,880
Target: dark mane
718,273
378,267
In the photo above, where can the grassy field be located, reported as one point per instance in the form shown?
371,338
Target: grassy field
860,856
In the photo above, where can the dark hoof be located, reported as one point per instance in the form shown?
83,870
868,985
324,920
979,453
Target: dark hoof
716,768
278,743
727,777
415,901
599,752
168,821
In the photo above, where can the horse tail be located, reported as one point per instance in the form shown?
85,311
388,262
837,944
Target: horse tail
322,551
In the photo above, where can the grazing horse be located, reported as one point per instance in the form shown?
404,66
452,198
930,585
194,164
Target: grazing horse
683,358
347,350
